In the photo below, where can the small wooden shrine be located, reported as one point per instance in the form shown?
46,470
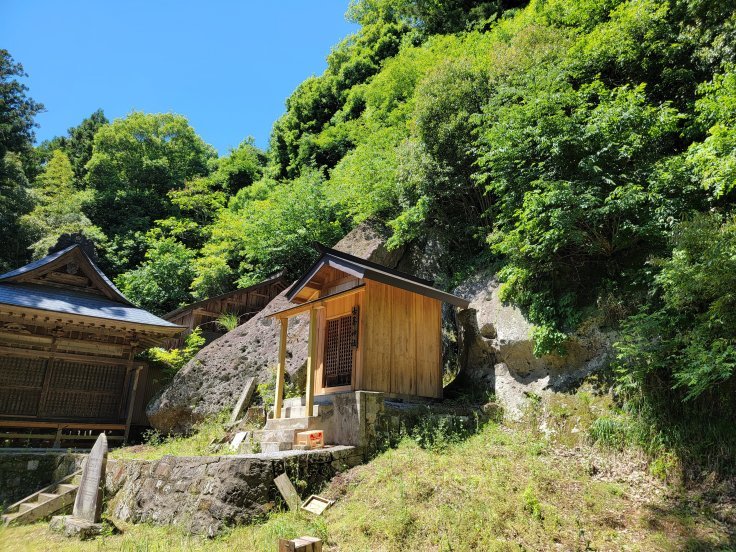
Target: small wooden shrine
243,303
68,339
371,328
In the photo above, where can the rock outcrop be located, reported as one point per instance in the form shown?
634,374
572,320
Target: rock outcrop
496,349
207,494
214,378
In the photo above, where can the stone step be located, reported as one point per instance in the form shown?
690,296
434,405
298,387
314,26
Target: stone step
275,446
281,435
7,519
301,424
294,401
289,423
301,411
42,504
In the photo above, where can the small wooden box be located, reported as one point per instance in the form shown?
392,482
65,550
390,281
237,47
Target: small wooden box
302,544
312,439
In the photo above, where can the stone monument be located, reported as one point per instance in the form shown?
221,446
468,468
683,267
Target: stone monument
86,515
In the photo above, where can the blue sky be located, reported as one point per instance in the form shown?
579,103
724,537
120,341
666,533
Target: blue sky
227,66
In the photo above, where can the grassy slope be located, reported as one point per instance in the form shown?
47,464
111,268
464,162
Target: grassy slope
502,489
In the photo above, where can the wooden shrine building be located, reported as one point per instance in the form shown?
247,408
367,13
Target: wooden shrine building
68,339
371,328
243,303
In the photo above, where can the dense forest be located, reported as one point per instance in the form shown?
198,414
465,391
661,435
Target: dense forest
585,149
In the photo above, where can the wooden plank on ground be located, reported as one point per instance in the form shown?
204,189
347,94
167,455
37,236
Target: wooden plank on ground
244,401
288,491
301,544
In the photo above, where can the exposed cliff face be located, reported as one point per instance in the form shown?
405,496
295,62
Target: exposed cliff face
496,348
214,378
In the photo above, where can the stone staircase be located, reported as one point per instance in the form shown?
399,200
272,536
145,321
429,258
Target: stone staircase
43,503
280,433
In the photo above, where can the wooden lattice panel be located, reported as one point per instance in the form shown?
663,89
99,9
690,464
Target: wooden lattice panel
19,402
338,362
21,380
23,372
85,391
80,404
87,377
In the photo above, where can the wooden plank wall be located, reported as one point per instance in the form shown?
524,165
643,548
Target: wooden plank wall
402,342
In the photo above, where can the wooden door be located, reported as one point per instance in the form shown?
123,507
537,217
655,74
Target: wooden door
339,351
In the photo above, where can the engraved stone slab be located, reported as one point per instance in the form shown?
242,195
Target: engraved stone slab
88,504
244,401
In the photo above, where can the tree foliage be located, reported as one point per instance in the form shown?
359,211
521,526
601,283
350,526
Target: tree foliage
135,163
17,120
573,144
59,207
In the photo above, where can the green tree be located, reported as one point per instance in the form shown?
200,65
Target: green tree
59,207
135,163
685,340
161,282
17,120
267,228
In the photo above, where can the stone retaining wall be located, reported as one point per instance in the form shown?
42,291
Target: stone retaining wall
206,494
23,472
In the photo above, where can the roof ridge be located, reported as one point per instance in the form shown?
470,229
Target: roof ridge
52,257
378,266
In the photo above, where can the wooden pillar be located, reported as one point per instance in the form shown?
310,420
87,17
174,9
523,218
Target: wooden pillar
279,401
41,410
311,360
131,403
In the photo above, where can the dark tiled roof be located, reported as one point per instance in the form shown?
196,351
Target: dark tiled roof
373,271
36,264
71,302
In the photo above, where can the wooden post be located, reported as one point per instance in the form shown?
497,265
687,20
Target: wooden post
131,404
311,360
279,401
41,410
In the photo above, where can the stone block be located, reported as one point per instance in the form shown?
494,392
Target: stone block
75,527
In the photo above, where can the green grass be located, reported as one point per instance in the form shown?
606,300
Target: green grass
502,489
200,443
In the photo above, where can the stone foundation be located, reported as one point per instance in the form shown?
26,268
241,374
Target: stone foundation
206,494
25,471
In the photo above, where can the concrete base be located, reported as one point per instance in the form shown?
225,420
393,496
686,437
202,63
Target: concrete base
71,526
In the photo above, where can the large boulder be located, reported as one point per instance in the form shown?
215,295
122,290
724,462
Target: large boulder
496,348
214,378
368,241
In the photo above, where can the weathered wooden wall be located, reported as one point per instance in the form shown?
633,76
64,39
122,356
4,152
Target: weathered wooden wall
245,303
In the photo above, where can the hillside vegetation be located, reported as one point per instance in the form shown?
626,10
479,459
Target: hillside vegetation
587,149
503,489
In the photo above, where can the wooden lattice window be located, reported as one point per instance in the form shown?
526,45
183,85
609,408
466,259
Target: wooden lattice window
340,344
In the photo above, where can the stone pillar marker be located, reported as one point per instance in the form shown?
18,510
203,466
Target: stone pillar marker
88,503
85,519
